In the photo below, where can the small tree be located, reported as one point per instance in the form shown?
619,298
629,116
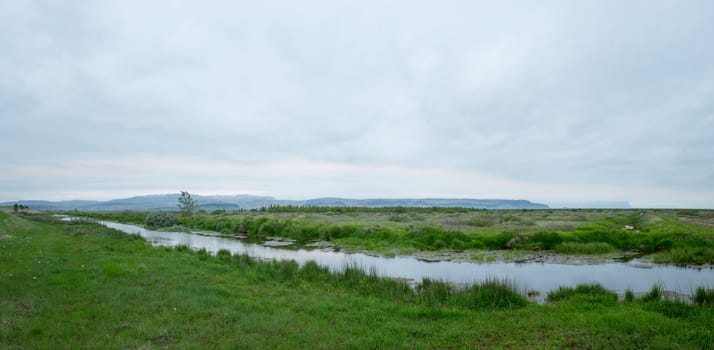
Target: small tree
186,204
15,208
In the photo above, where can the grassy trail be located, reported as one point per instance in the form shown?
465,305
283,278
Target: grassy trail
85,286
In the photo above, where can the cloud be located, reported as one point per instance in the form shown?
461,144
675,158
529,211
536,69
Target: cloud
559,95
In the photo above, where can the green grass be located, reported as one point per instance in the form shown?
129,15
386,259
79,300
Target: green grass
704,296
585,292
655,294
489,294
584,248
85,286
686,255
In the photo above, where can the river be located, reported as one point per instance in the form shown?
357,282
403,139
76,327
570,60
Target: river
529,276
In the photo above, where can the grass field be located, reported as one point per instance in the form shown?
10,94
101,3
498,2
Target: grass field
669,236
65,285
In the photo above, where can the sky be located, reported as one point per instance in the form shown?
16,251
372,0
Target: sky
550,101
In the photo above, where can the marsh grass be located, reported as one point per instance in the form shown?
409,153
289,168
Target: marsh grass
487,294
588,292
654,294
673,308
584,248
629,296
704,296
686,255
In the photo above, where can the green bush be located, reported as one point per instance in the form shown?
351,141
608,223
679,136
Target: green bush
160,220
82,221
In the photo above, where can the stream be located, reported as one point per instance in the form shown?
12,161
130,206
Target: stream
528,276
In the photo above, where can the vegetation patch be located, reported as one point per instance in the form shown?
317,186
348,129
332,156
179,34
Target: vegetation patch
589,292
584,248
704,296
687,255
160,220
489,294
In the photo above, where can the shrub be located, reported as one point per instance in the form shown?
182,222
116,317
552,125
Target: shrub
82,221
160,220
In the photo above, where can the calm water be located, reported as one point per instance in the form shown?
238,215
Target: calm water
527,276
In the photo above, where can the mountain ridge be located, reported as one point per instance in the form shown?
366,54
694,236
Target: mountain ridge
243,201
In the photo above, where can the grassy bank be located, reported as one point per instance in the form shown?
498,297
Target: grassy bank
673,236
68,285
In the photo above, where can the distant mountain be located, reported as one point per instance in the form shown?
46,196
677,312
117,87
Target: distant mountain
47,205
426,202
169,201
592,205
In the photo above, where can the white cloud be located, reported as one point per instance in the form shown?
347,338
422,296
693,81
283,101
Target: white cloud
545,101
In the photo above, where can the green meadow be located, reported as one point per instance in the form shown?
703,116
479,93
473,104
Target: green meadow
73,285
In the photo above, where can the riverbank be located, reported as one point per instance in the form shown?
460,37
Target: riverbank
683,237
82,285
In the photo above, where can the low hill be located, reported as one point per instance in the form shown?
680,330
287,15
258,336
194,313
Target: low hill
169,201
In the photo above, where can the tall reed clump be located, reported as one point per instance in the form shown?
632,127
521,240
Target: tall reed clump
655,294
434,292
369,283
704,296
489,294
494,294
590,292
629,296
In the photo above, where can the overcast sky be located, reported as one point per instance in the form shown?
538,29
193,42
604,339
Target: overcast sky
551,101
